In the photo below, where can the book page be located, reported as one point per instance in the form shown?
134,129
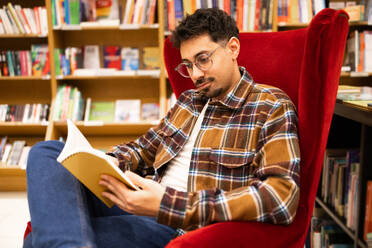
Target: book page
75,141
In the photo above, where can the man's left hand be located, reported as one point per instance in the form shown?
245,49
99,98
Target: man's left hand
144,202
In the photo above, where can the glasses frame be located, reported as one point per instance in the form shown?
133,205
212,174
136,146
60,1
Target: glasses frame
187,64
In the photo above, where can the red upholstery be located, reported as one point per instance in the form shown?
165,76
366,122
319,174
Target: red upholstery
306,64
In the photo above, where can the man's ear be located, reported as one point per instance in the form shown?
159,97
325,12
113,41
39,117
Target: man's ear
234,46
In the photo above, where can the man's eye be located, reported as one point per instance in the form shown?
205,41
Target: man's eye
203,59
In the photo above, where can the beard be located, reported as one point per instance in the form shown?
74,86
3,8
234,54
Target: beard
208,92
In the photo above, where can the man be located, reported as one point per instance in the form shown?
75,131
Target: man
226,151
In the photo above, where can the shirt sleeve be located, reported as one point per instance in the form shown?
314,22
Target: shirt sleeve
272,191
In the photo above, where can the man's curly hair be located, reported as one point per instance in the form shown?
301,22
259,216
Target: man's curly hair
215,22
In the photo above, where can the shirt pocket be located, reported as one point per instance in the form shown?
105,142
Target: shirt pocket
231,157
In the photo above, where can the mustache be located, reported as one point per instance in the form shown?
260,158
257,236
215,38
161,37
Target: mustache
203,80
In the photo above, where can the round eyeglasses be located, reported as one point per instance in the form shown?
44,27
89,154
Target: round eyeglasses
203,62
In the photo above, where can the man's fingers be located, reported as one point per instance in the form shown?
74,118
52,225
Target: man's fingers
136,179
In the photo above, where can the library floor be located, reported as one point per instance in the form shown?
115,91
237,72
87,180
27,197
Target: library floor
13,218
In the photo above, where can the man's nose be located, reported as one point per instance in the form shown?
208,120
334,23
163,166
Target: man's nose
196,73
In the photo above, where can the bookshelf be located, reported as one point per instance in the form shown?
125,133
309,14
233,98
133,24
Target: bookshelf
43,89
351,128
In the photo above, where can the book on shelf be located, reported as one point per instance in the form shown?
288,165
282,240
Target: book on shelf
91,57
40,59
107,10
2,146
23,158
111,57
15,153
88,164
102,111
25,113
127,110
69,104
150,111
151,58
87,10
18,20
129,59
368,212
5,155
139,12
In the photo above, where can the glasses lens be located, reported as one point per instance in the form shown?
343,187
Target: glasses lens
203,62
182,69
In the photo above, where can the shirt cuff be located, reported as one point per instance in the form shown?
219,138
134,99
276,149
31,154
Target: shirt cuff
172,208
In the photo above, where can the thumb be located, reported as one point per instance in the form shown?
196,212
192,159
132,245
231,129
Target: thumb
136,179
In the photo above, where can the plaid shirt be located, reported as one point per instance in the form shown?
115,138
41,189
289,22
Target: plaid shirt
245,161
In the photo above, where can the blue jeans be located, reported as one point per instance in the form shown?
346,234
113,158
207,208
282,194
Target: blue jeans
65,214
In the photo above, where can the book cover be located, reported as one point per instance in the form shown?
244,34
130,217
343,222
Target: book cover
91,57
111,57
107,10
129,58
16,152
102,111
151,58
40,59
127,110
87,10
88,164
150,111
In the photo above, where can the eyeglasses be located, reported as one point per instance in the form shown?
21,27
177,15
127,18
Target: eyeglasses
203,62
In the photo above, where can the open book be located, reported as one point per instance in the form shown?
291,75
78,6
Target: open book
87,163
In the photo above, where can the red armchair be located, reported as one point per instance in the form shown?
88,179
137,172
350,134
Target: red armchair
306,64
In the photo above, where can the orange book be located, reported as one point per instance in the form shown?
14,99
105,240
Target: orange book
368,215
171,15
239,14
227,6
193,6
362,46
257,15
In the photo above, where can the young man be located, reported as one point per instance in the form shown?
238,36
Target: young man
226,151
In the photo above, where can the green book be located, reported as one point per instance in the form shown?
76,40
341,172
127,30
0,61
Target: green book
102,111
74,11
57,53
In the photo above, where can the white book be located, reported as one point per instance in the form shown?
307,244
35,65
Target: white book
128,6
43,20
23,21
129,59
4,159
31,19
16,19
25,113
24,155
91,57
15,153
127,110
88,164
12,21
137,10
87,109
6,22
2,30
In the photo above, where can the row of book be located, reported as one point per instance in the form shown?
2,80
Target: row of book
71,59
298,11
13,154
325,233
34,62
357,10
69,104
27,113
356,96
358,56
340,183
18,20
250,15
113,12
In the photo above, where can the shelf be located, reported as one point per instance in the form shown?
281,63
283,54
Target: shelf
22,78
353,113
12,179
339,222
98,26
356,74
19,128
113,77
94,128
293,25
22,36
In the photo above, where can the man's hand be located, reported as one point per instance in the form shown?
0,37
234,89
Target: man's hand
141,202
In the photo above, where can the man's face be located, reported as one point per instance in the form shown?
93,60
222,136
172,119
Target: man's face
220,77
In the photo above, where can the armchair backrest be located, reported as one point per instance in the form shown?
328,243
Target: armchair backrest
306,64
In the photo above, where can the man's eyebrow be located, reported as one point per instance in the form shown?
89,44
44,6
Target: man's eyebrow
196,55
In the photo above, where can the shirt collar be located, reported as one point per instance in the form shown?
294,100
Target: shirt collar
238,95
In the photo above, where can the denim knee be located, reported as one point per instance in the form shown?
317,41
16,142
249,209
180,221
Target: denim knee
42,150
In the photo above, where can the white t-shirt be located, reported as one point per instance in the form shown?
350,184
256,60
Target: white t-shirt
177,172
